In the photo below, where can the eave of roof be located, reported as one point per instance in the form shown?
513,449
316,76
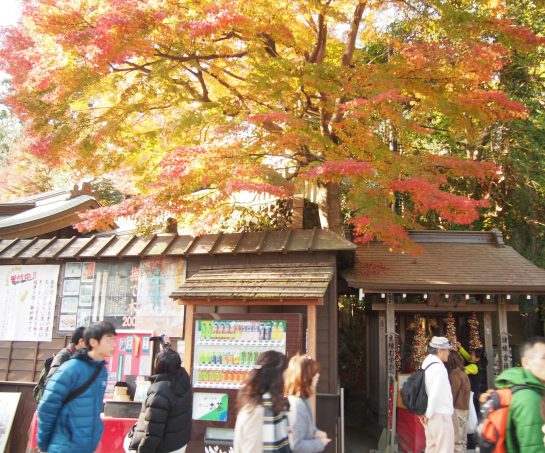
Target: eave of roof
476,262
46,218
99,247
271,282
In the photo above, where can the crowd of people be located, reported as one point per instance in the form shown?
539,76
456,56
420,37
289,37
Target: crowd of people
274,404
449,386
274,409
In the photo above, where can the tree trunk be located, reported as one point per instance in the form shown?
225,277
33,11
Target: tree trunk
329,206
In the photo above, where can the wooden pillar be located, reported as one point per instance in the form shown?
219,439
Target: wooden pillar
311,346
489,348
505,359
188,336
390,335
383,372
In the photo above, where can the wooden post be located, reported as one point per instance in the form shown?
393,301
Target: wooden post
489,348
382,373
505,359
311,345
188,336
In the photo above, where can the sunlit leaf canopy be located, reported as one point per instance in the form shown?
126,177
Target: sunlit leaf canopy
188,102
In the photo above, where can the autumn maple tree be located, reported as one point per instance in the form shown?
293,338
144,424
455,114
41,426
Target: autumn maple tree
190,102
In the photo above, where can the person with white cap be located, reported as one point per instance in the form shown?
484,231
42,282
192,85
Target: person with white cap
437,420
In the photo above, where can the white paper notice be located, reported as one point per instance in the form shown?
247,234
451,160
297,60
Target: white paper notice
27,302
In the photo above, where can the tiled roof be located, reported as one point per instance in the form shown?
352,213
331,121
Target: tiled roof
294,281
97,247
476,262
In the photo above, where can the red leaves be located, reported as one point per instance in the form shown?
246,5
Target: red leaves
218,17
503,107
378,227
457,167
178,163
428,196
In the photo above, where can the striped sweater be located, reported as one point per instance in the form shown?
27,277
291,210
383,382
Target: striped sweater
258,429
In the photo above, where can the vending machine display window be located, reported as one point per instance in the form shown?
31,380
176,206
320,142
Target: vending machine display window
226,350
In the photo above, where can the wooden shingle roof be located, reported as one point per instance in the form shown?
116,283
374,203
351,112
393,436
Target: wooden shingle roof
287,282
129,246
472,262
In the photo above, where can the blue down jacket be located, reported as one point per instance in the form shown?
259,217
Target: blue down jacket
75,426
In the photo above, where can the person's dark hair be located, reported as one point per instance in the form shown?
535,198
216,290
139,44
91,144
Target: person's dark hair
432,350
168,362
266,376
77,335
529,344
96,331
454,361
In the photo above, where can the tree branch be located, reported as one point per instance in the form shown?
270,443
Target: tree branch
216,56
353,34
346,60
318,53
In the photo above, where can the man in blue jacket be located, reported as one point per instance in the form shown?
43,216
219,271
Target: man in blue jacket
69,418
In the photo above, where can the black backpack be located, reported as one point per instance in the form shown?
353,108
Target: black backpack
39,388
414,394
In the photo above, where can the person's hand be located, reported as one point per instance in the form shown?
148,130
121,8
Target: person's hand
458,345
320,434
423,419
483,397
324,440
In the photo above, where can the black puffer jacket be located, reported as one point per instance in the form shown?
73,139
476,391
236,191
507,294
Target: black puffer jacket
164,424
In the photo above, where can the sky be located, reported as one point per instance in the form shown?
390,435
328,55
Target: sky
10,11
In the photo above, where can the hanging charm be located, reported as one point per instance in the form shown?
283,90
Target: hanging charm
474,337
451,328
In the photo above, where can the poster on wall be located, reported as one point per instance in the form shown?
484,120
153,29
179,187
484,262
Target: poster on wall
8,403
27,303
155,310
210,406
94,292
130,295
132,358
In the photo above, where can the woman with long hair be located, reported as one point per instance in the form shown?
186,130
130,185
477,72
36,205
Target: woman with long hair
164,424
262,420
301,380
461,390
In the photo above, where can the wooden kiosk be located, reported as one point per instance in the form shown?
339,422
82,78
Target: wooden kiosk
283,279
461,275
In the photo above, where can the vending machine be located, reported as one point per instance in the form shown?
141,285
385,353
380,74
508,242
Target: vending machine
225,348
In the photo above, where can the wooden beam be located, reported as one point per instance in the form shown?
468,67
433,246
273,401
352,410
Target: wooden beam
479,308
248,301
311,346
489,348
505,360
188,337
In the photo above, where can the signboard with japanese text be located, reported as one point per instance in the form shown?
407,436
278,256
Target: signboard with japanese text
210,406
27,302
98,292
129,294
